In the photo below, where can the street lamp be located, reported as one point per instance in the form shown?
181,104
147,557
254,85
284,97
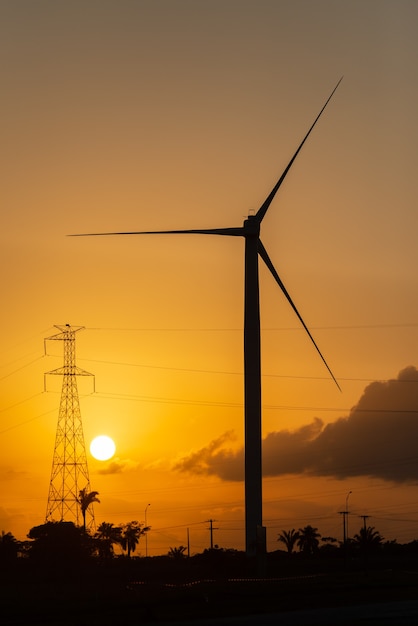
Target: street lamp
146,534
346,511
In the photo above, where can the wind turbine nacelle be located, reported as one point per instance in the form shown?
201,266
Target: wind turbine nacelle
252,226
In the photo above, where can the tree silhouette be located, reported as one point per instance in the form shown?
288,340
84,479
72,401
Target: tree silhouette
131,534
289,538
107,535
60,547
308,540
329,546
177,553
9,547
368,538
85,499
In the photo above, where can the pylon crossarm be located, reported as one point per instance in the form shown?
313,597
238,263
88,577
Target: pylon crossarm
71,370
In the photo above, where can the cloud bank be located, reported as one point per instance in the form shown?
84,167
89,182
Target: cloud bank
378,439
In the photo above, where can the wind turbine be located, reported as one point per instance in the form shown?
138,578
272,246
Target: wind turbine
255,540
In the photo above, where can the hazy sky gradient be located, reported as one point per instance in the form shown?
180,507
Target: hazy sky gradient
173,114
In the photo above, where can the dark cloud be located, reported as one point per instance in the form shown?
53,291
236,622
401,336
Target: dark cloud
378,438
214,460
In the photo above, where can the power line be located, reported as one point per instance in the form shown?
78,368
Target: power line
21,368
281,329
133,397
209,371
230,373
12,406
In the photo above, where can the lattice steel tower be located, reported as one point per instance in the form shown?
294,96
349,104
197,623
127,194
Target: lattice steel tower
70,472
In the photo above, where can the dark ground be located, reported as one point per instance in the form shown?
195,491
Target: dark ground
384,598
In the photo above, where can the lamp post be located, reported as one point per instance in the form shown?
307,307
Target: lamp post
346,512
146,533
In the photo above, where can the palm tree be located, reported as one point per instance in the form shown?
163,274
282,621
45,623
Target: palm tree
107,535
9,547
368,538
308,540
289,538
85,499
177,553
131,534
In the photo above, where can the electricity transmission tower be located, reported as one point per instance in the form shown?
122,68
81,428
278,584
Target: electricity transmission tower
70,473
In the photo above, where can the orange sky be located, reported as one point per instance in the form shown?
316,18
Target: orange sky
183,114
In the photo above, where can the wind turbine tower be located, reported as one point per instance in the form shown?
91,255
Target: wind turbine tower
253,250
70,472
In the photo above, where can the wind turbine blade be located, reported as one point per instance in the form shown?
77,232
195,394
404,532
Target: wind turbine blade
263,253
264,207
232,232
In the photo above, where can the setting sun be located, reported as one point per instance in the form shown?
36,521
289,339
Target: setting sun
102,448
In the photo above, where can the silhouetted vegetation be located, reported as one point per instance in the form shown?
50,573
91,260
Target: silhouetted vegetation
131,534
368,538
289,538
9,549
177,553
63,570
59,548
85,499
107,535
308,540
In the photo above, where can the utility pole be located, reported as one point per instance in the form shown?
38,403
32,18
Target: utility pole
211,529
146,532
365,546
345,514
69,474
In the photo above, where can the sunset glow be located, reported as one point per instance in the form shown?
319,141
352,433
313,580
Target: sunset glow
180,115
